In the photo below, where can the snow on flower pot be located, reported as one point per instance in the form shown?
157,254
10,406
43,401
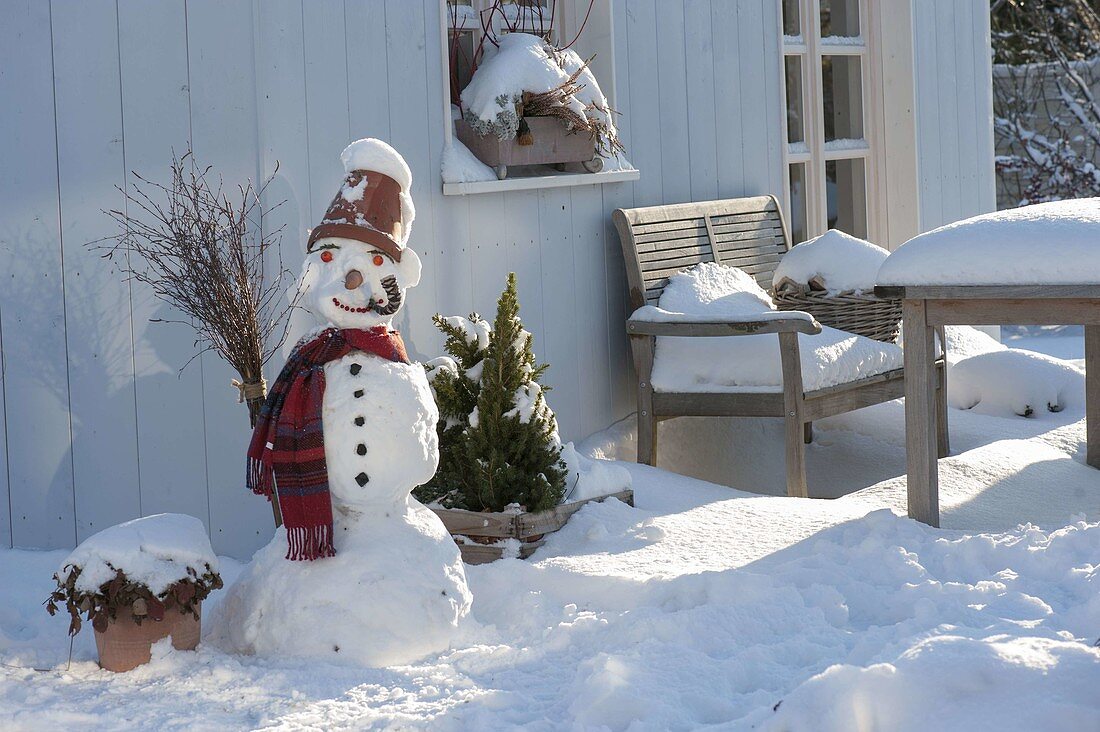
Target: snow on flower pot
137,583
552,144
485,536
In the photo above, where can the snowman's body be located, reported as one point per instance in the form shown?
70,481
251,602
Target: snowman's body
379,426
395,589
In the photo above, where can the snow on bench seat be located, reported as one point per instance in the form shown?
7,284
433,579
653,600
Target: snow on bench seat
1055,243
749,363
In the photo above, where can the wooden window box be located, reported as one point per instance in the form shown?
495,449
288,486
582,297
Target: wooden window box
554,145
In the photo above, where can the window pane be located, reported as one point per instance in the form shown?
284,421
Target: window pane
461,57
460,14
791,20
842,96
839,18
846,196
795,127
798,203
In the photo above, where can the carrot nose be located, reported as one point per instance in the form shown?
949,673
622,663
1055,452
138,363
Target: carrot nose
353,279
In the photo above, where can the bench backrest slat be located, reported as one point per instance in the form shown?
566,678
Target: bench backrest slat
659,241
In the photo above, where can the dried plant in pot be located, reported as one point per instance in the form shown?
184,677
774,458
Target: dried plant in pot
532,103
135,591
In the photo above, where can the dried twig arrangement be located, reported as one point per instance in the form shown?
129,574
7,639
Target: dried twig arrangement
555,103
524,16
204,253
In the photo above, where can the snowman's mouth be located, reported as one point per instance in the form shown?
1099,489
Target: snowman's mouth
350,308
383,306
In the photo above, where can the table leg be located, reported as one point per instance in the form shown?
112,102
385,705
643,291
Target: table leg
1092,394
922,475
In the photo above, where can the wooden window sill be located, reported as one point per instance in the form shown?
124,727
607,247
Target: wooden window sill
549,180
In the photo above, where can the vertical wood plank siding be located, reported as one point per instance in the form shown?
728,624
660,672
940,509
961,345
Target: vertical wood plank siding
954,110
98,426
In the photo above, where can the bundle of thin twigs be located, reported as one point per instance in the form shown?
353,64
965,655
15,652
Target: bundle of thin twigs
205,253
556,103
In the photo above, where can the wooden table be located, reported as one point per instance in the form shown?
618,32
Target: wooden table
924,308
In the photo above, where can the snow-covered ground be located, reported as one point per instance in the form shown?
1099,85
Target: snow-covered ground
701,607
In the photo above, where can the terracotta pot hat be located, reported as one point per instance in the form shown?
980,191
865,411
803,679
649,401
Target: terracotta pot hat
373,205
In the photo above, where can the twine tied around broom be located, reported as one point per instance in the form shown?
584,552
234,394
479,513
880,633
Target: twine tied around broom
250,390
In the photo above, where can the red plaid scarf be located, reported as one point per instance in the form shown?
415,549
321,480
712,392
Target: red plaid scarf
287,453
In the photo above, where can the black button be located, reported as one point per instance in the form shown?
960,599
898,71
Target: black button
359,421
355,369
362,449
361,479
358,393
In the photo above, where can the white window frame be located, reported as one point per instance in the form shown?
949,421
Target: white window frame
810,49
597,38
889,125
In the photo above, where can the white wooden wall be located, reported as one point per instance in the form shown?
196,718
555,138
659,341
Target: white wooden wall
954,107
98,426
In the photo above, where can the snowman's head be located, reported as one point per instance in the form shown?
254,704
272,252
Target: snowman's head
357,265
351,284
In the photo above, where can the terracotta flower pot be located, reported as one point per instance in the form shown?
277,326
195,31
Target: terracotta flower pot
125,645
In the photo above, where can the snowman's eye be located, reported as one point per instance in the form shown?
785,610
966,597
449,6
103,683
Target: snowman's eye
378,260
326,256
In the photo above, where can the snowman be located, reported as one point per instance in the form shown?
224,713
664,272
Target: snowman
360,570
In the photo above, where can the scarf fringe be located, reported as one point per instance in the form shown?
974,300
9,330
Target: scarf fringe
260,477
309,543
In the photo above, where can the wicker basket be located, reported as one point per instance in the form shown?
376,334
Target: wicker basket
853,311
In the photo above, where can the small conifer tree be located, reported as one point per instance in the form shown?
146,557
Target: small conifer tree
498,442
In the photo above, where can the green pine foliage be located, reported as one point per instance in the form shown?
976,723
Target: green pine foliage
497,436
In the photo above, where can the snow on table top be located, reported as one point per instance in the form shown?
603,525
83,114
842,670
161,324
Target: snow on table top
1055,243
842,261
154,550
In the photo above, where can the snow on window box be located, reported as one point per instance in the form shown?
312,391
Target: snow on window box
532,111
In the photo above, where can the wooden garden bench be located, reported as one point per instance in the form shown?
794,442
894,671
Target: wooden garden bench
748,233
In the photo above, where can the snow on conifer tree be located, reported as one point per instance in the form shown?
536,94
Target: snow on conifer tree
499,442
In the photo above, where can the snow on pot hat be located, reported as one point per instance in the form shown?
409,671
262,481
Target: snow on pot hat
374,205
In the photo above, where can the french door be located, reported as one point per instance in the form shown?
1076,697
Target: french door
830,173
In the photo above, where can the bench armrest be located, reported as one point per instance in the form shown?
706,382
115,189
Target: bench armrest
712,328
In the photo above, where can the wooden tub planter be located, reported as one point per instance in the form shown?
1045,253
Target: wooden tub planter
483,537
554,145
